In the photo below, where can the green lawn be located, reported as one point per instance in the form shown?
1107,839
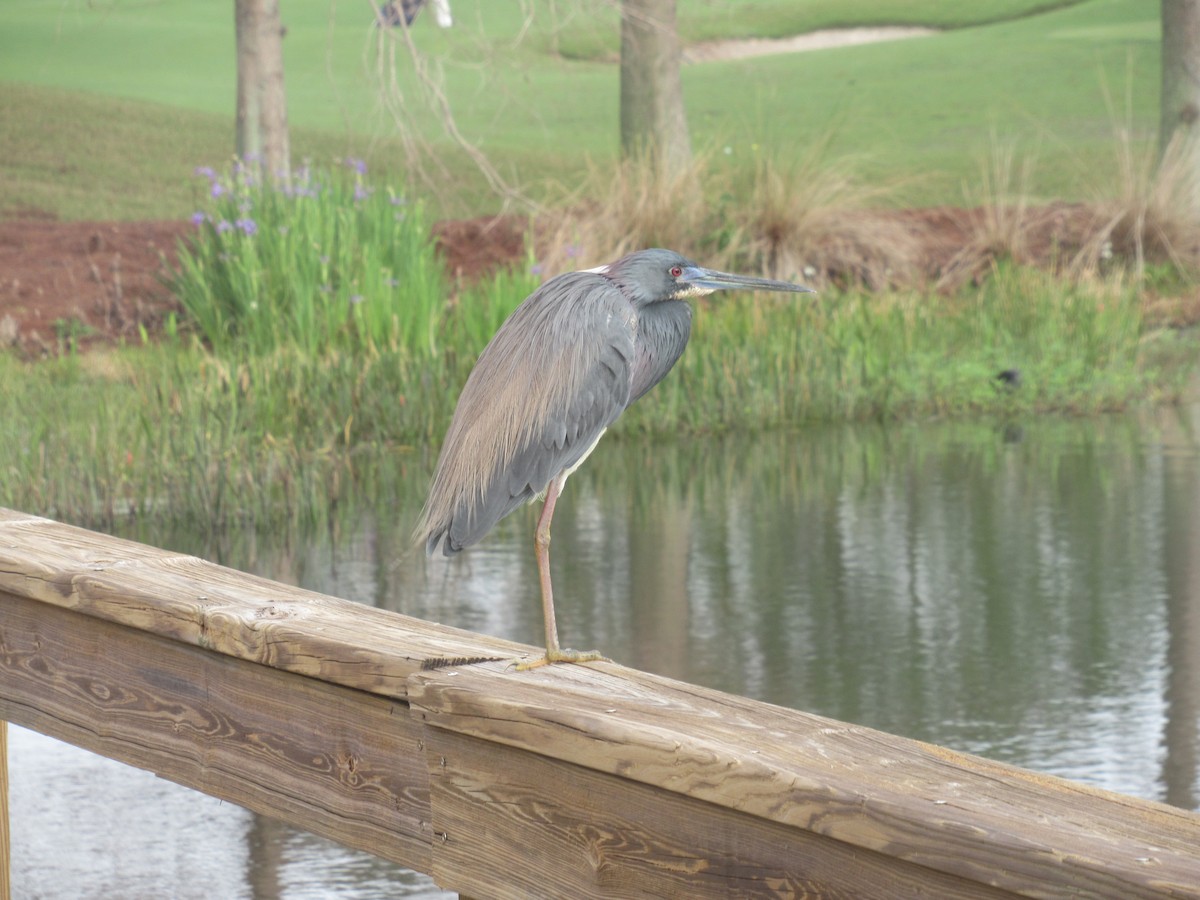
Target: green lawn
704,20
107,107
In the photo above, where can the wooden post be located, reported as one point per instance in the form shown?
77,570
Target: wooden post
5,886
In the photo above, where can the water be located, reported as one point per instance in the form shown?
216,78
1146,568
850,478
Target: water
1027,592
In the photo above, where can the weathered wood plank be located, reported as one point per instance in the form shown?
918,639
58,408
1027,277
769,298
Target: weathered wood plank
296,705
341,763
512,824
956,814
5,843
197,602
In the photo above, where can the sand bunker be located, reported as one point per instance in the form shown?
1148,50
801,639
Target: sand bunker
708,51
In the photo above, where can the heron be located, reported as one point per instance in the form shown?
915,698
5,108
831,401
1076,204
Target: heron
575,354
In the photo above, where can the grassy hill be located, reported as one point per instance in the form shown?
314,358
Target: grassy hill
106,108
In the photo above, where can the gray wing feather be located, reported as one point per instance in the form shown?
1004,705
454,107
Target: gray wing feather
555,375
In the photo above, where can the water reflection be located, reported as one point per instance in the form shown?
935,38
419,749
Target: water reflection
1031,594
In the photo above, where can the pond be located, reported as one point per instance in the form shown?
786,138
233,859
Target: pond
1026,591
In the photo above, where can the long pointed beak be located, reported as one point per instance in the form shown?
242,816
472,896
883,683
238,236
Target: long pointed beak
712,280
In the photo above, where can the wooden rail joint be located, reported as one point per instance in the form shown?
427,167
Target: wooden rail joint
419,743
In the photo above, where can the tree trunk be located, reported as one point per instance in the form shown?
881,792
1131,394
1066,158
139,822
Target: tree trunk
652,115
262,131
249,136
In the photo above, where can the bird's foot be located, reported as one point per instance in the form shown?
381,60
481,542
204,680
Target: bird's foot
562,656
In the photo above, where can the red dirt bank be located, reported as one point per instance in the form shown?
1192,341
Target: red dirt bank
97,282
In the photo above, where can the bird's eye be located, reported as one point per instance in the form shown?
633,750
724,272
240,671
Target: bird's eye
676,271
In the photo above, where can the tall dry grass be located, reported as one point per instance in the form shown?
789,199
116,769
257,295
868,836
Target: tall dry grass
818,220
1001,220
808,218
815,219
1143,210
1153,213
634,205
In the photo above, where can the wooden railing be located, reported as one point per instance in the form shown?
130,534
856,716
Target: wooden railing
398,737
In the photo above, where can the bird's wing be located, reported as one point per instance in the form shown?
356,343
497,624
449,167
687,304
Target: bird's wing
553,378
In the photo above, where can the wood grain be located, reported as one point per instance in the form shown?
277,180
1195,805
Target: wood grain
5,843
951,813
512,824
341,763
196,602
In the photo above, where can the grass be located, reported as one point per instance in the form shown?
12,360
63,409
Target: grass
700,21
916,111
856,356
326,261
172,431
286,402
69,153
818,220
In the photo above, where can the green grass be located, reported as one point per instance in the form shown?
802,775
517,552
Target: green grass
328,261
82,131
706,21
171,431
107,109
896,355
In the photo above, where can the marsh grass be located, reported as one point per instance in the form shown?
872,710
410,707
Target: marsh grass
178,432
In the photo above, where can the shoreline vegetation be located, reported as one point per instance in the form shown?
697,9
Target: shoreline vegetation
316,339
320,338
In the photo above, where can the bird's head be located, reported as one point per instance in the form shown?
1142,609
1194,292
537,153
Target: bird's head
652,276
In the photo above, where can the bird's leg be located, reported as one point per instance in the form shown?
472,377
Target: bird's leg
542,550
554,653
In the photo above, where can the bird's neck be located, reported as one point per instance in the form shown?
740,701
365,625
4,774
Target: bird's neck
663,332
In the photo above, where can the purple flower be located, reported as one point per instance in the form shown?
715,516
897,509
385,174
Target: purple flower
357,165
223,226
248,226
217,189
536,269
573,251
206,172
356,298
199,218
397,201
361,193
